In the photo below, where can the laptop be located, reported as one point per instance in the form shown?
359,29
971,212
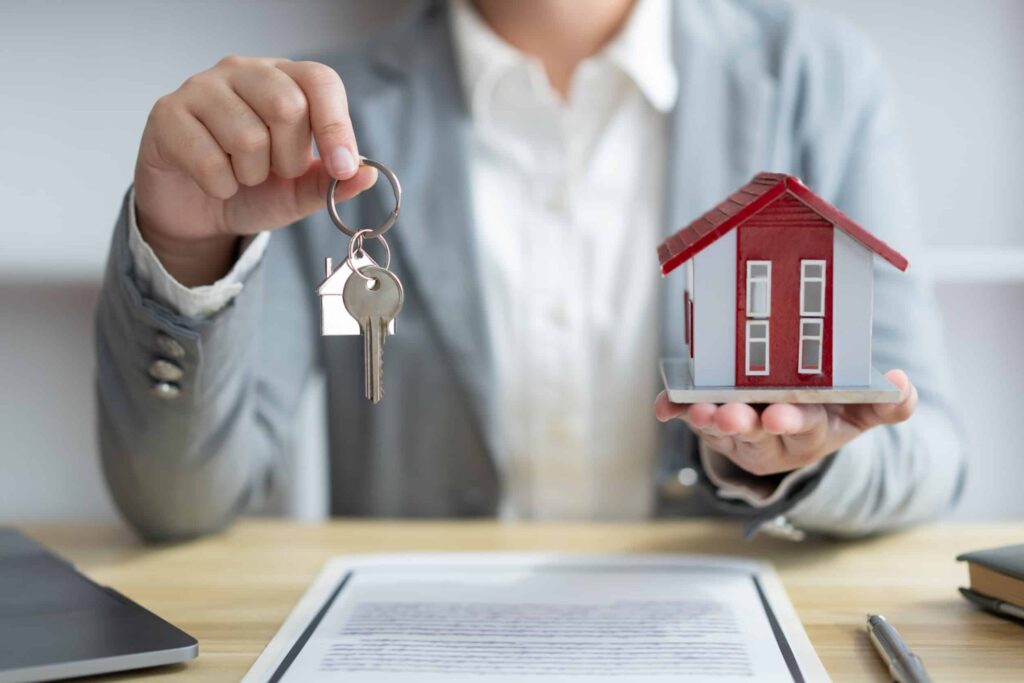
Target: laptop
55,623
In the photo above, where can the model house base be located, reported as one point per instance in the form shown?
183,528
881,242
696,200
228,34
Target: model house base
678,378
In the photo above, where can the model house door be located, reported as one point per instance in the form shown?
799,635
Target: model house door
784,304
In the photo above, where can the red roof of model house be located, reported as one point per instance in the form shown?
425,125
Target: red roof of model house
756,195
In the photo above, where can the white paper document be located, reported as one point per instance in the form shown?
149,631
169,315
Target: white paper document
565,618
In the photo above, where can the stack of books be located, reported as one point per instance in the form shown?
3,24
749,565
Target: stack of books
997,580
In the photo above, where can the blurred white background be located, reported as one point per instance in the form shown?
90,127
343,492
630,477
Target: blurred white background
78,79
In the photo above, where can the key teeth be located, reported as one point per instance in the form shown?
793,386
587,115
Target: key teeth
375,388
382,337
378,389
367,354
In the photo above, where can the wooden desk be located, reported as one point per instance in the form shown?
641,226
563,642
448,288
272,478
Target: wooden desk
232,591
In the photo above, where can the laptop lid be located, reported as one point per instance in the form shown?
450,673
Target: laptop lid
56,623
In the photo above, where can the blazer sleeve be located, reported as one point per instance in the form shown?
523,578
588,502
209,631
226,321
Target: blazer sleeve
183,465
850,152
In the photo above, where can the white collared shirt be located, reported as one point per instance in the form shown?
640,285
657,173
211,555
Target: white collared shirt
567,201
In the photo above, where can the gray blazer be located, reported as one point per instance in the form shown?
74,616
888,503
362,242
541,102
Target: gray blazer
764,86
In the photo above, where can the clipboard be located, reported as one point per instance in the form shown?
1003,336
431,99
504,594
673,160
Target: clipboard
327,633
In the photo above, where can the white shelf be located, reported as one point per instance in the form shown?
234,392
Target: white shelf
975,264
981,265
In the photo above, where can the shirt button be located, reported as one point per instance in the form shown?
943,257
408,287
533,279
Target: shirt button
170,347
558,200
165,371
561,430
166,390
558,314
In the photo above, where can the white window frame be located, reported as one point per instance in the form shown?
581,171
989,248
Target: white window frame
804,279
767,279
767,348
810,337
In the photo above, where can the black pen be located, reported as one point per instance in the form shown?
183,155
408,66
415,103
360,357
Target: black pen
993,604
904,666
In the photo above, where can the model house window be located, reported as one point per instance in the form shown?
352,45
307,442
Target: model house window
812,288
810,346
759,289
757,347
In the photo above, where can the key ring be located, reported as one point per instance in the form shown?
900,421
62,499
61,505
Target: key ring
396,187
356,244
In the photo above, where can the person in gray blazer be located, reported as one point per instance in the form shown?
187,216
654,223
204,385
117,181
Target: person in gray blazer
544,152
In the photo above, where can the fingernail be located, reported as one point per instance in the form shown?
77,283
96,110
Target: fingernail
343,163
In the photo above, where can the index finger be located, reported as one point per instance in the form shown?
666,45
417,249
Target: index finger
328,115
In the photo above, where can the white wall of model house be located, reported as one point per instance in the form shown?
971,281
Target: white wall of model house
714,311
853,284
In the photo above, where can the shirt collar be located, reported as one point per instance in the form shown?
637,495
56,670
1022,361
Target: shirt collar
642,50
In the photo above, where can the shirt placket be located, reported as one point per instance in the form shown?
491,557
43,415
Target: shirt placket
554,322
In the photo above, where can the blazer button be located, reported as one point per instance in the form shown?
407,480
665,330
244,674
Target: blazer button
165,371
166,390
170,347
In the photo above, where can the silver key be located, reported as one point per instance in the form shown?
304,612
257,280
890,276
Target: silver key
374,304
334,318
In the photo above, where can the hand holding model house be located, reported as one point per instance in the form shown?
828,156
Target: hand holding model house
778,311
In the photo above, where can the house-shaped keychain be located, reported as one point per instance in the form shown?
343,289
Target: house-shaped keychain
778,301
334,317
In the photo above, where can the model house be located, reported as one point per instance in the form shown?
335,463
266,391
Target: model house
778,295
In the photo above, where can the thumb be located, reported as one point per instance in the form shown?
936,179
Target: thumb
310,189
867,415
903,408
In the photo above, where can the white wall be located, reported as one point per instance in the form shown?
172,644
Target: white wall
77,82
957,73
78,78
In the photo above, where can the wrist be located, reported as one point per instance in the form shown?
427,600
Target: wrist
192,262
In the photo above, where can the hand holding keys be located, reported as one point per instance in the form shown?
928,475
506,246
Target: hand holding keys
359,290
